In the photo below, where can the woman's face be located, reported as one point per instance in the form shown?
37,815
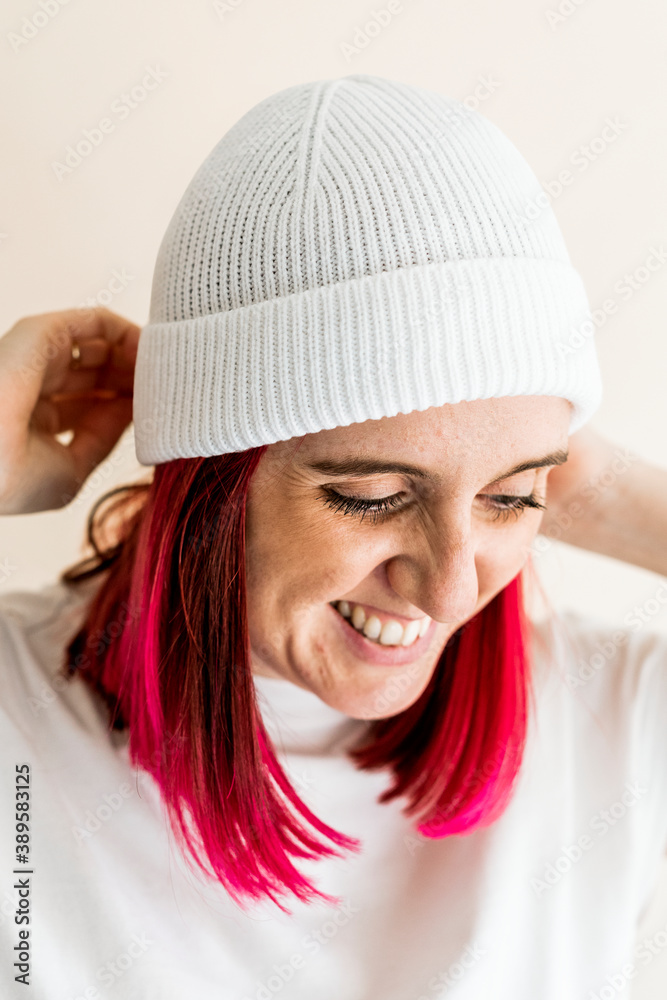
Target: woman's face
334,517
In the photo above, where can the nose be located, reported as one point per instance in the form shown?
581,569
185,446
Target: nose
437,573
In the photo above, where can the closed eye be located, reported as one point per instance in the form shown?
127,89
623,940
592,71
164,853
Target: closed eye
513,504
504,505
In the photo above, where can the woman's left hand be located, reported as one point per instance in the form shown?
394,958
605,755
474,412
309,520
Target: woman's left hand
608,499
569,504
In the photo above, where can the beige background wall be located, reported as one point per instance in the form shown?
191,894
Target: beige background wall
553,75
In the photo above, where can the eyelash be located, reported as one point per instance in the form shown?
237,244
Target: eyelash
511,506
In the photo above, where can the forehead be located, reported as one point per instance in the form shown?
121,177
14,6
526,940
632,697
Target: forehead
477,435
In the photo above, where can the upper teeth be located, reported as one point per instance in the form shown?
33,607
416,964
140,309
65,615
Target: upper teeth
392,633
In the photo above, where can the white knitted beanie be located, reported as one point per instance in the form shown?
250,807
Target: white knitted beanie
355,248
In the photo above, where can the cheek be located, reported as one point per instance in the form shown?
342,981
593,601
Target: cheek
291,574
505,552
308,555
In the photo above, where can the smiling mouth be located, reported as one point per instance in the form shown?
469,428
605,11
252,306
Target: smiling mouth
388,633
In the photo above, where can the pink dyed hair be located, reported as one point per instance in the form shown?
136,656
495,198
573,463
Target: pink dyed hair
179,678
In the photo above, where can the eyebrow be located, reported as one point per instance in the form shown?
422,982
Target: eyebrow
369,467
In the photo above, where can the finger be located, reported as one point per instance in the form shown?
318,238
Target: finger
110,367
77,382
97,433
64,411
93,353
109,347
83,396
46,418
35,354
124,350
120,380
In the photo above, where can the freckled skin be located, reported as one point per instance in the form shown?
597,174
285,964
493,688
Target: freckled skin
445,552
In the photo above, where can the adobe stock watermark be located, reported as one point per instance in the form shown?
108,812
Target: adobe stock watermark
7,570
564,10
455,972
95,820
450,293
32,24
313,942
301,780
97,642
625,287
86,488
224,7
120,110
473,782
113,970
394,688
581,159
256,139
116,284
393,691
40,357
641,614
601,823
616,983
588,495
378,20
605,649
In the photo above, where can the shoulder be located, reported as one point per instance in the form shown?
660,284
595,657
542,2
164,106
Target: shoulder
36,619
615,675
601,726
35,629
590,653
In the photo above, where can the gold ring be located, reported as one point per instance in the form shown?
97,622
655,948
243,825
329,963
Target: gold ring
76,355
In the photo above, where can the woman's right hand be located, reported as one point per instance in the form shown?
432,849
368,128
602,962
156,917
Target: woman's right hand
44,393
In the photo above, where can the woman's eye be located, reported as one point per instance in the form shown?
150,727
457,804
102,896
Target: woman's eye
375,509
504,506
511,506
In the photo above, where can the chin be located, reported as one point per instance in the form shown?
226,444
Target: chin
383,700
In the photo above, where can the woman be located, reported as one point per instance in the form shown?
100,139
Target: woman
289,731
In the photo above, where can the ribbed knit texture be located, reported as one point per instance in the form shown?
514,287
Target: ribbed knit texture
354,248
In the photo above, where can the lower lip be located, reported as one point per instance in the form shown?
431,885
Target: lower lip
374,652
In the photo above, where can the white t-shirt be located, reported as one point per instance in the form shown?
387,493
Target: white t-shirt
541,905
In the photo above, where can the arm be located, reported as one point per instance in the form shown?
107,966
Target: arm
608,499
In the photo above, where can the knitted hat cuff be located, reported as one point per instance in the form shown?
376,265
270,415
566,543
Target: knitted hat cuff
386,343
